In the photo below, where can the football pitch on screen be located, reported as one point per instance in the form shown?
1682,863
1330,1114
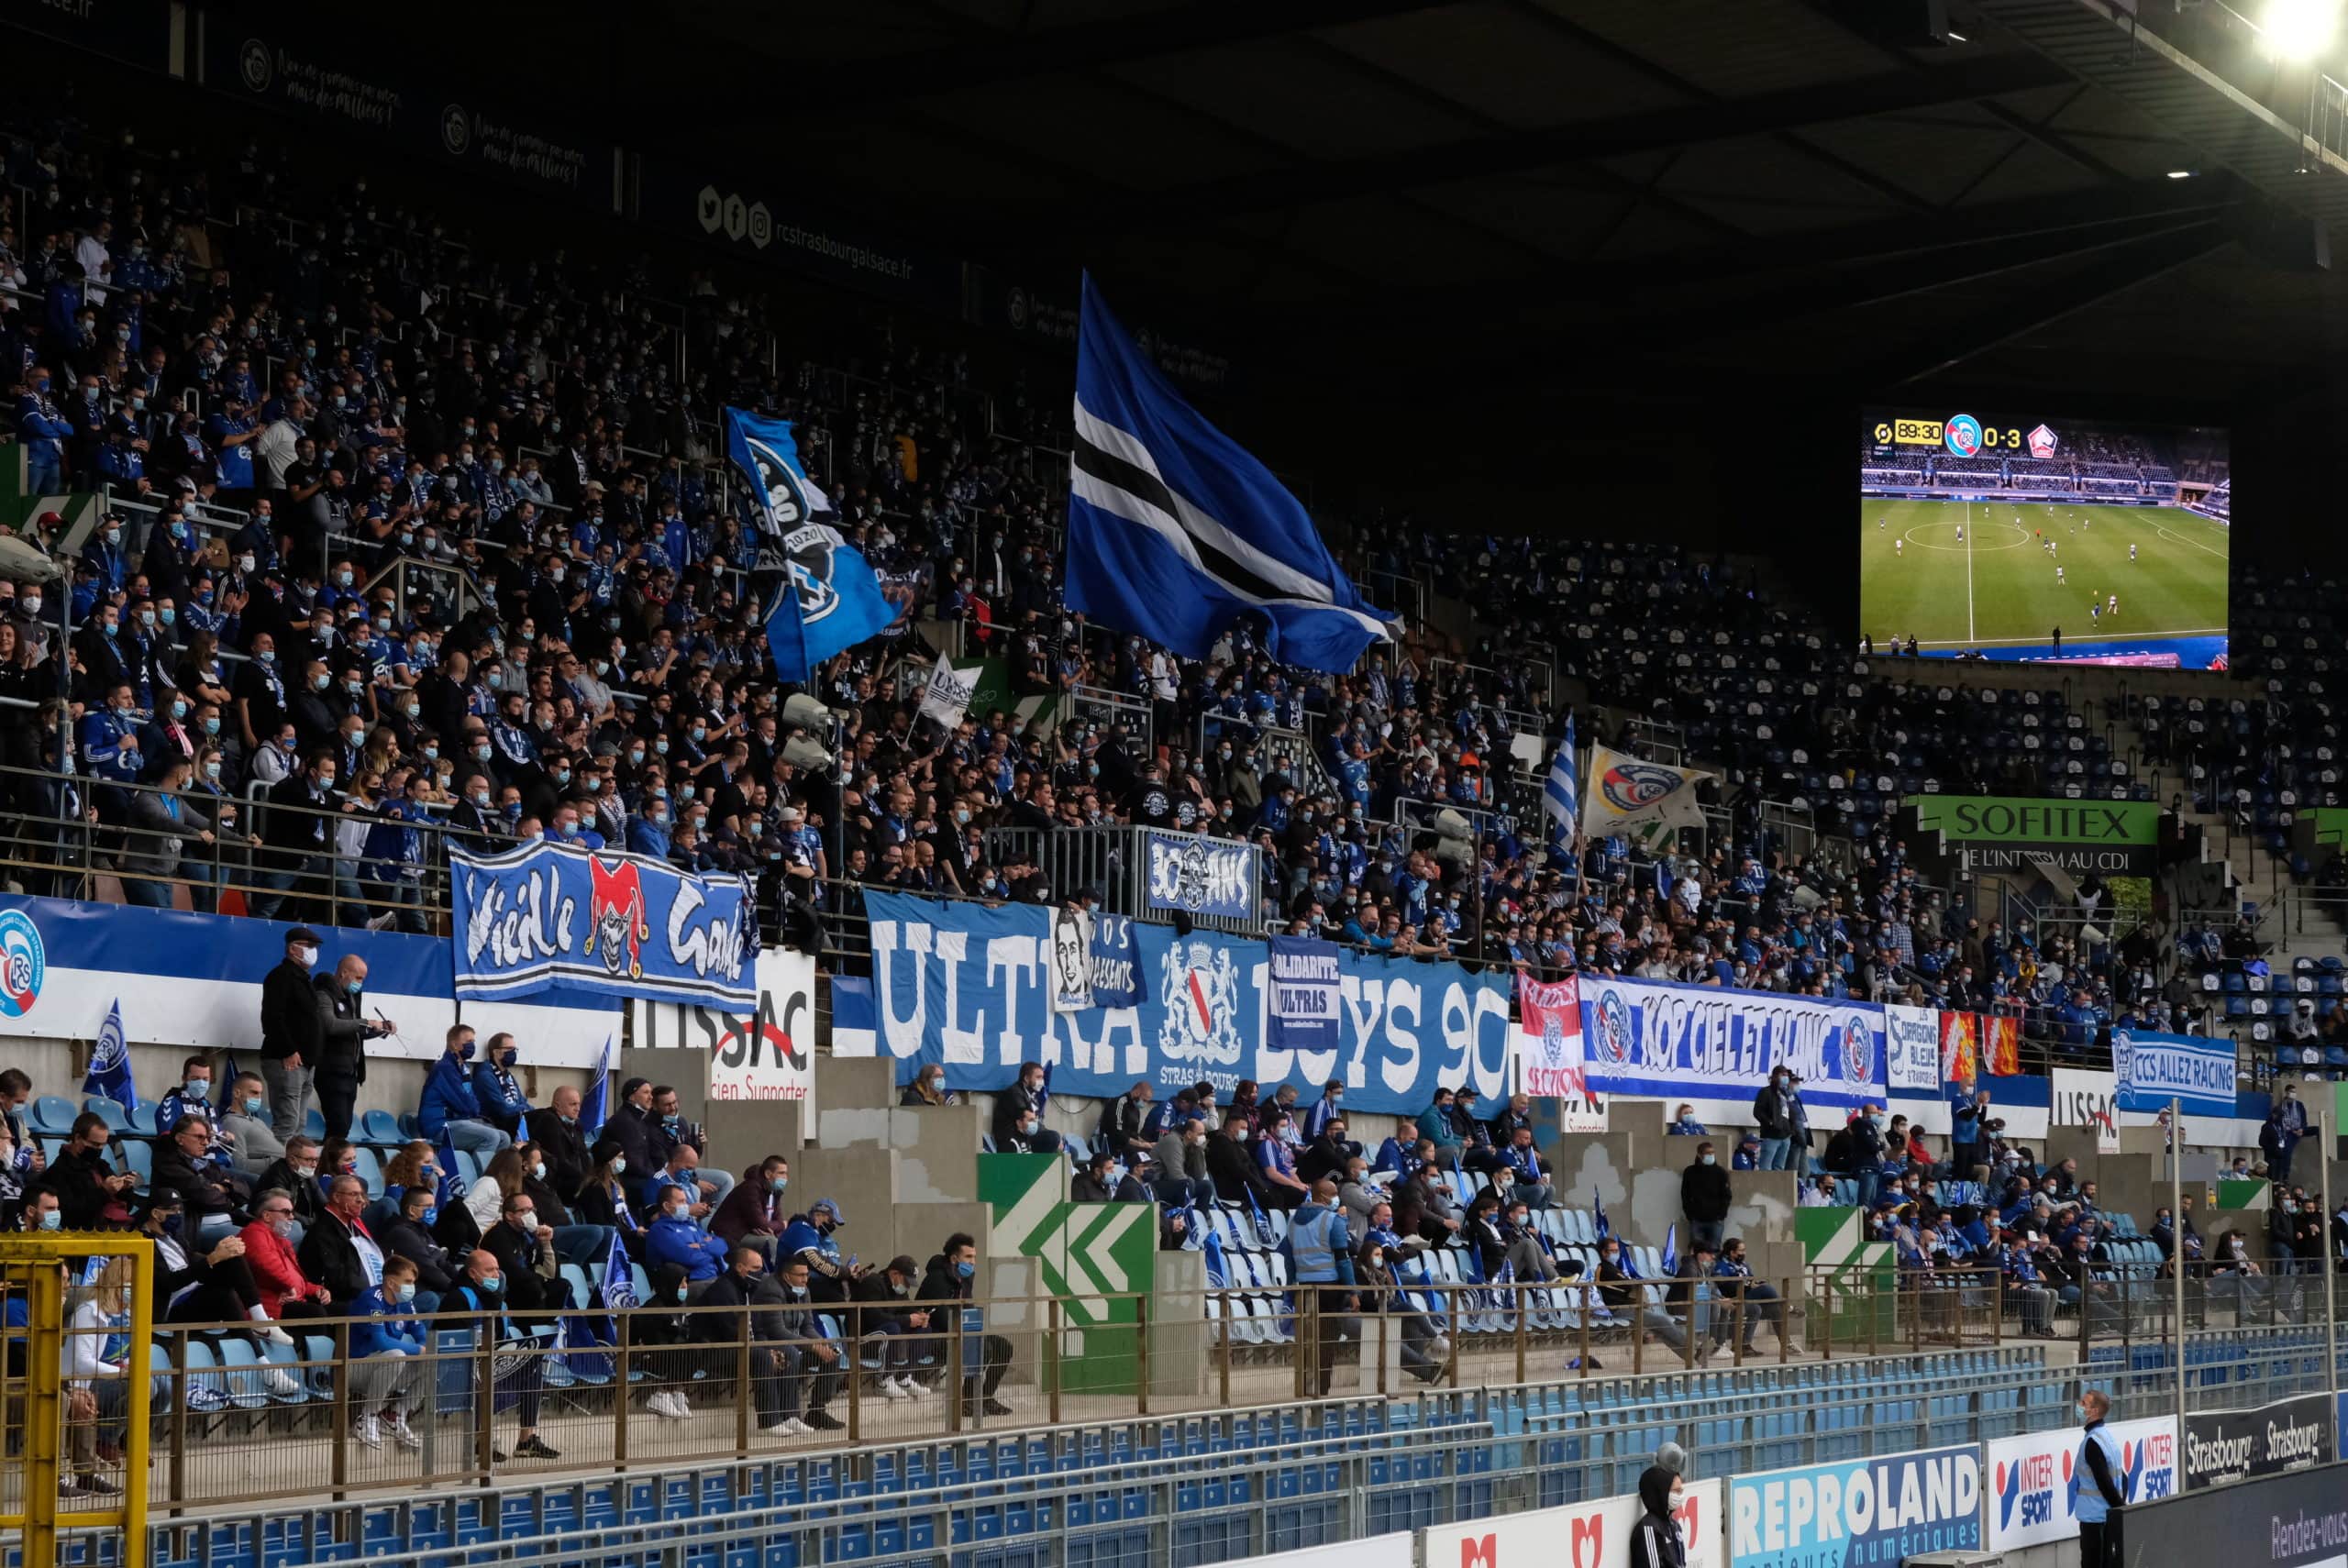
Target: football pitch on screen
1978,574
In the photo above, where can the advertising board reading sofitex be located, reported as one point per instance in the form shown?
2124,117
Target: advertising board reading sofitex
2032,536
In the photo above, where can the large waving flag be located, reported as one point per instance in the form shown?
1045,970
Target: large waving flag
1625,793
1561,795
834,600
110,1063
1173,528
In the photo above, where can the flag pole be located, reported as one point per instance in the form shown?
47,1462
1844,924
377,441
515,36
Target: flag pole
2324,1150
2176,1240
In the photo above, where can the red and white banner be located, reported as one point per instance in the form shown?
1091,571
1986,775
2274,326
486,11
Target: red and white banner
1583,1535
1546,1044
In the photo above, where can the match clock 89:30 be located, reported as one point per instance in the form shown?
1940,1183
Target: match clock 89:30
1905,431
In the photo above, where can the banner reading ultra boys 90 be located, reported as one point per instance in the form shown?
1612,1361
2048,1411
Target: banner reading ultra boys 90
967,986
545,917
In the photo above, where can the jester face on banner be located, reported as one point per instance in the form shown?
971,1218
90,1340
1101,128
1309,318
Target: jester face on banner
616,926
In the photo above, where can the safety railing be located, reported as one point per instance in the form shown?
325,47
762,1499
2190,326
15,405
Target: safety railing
247,1411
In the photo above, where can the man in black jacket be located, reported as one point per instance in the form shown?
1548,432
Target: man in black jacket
1019,1112
409,1237
884,1308
295,1173
82,1179
554,1127
633,1129
332,1252
1122,1121
947,1281
298,837
344,1030
288,1033
214,1196
1233,1168
1703,1196
525,1250
1329,1154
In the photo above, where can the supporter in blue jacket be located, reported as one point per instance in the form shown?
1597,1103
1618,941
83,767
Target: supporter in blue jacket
496,1090
384,1342
450,1106
675,1239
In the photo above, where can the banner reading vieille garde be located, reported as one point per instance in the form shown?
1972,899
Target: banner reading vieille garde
1198,875
545,917
1673,1042
2111,838
965,986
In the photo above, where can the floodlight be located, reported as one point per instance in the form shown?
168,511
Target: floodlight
2300,29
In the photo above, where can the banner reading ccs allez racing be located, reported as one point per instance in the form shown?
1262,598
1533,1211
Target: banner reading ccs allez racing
1858,1514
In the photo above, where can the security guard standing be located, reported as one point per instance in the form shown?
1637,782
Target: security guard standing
1321,1252
2098,1471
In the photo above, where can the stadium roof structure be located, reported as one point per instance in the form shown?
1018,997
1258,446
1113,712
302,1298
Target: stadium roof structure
1655,187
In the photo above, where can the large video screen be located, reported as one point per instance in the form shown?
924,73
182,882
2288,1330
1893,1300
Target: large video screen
2024,536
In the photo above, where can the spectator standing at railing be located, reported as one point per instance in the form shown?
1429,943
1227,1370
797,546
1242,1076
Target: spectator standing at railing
344,1029
298,838
161,820
289,1031
42,429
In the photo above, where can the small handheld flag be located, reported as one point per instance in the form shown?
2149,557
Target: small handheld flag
593,1107
110,1063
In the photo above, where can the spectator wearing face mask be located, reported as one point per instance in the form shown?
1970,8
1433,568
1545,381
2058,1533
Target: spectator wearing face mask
1181,1172
1019,1112
1704,1196
1783,1120
885,1311
498,1090
289,1033
480,1292
948,1280
1685,1125
809,1237
253,1143
754,1214
451,1109
296,1172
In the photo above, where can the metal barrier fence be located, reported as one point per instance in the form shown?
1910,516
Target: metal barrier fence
244,1416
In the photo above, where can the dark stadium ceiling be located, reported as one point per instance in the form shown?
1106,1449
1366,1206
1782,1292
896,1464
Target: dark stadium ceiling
1651,189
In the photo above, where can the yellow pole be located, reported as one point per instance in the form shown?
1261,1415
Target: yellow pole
44,1410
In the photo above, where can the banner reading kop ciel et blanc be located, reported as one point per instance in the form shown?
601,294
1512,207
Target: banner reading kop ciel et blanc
545,917
1673,1042
969,987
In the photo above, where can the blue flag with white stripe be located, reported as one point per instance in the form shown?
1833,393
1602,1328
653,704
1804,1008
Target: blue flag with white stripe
110,1063
1173,528
1671,1251
1561,795
452,1185
593,1105
832,602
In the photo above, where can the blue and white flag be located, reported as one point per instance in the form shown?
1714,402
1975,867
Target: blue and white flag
1598,1216
619,1284
595,1106
452,1185
1671,1251
1561,796
1173,528
834,600
110,1063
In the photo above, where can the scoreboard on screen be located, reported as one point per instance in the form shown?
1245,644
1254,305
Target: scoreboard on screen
1964,435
